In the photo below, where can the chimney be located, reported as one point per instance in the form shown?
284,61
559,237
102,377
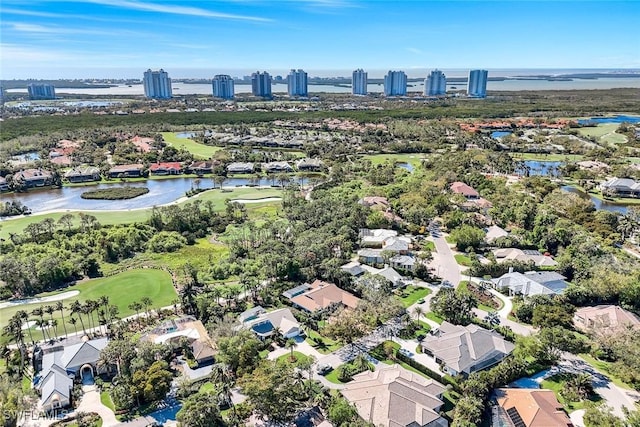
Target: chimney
510,269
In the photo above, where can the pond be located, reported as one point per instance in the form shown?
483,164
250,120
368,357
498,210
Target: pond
598,203
186,135
26,157
540,167
499,134
404,165
610,119
161,191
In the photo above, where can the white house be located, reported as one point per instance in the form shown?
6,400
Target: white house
264,323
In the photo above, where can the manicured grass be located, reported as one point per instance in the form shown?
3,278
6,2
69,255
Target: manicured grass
299,359
547,157
556,384
604,367
25,384
207,387
411,158
105,398
462,260
434,317
217,197
122,289
411,294
333,377
429,245
198,150
328,345
604,133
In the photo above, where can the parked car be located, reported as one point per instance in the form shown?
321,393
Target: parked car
421,301
405,352
446,284
324,369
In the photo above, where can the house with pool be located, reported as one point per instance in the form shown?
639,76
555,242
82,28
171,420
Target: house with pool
264,324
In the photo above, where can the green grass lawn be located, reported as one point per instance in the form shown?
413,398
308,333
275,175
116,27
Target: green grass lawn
328,345
217,197
411,294
556,383
411,158
434,317
604,367
299,359
207,387
604,133
429,245
105,398
463,260
197,149
122,289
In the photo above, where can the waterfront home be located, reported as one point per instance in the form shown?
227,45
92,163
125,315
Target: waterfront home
61,364
393,396
83,174
525,407
4,185
319,295
604,318
202,167
621,187
309,165
264,324
532,283
33,178
524,255
126,171
275,167
165,168
465,190
462,350
240,167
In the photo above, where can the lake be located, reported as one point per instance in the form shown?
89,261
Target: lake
407,166
161,191
541,167
499,134
599,204
611,119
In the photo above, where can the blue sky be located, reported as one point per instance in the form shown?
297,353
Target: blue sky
122,38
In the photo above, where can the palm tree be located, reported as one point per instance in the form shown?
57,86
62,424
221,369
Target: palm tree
40,313
73,321
41,324
104,302
291,344
146,302
87,309
360,363
60,307
581,383
136,306
418,311
492,318
49,310
24,317
222,376
76,308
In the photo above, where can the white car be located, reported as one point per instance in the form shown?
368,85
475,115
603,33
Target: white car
405,352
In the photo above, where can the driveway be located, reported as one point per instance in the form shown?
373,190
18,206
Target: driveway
90,402
444,264
516,327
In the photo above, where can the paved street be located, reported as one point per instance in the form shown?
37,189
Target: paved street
444,264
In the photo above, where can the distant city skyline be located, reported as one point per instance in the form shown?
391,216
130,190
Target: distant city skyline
116,38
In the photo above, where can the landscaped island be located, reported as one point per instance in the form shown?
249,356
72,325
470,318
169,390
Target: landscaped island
117,193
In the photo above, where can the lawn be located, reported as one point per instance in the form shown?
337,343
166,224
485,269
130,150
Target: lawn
411,294
556,383
105,398
604,367
299,359
413,159
207,387
429,245
463,260
198,150
217,197
122,289
328,345
434,317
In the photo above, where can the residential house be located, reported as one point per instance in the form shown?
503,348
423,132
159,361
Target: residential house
604,317
465,190
187,327
375,238
403,262
370,256
126,171
525,407
264,323
532,283
621,187
526,255
593,165
319,295
33,178
240,167
201,167
462,350
309,165
61,365
276,167
394,397
165,168
4,185
374,202
61,160
143,144
493,233
83,174
354,268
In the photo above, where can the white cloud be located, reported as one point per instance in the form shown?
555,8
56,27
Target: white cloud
176,10
414,50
